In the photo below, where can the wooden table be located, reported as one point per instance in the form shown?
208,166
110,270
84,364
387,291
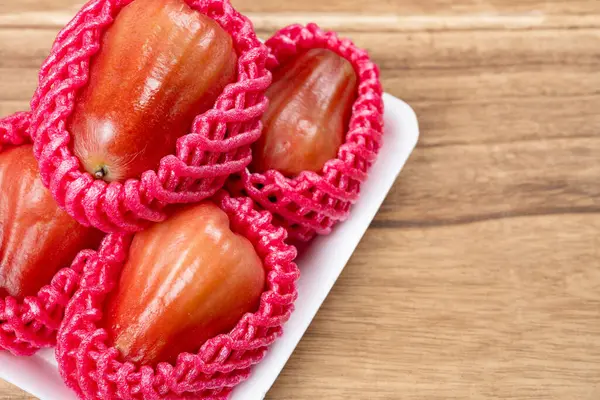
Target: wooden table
480,277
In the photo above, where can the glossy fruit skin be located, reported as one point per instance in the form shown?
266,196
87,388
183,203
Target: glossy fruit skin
37,238
160,64
186,280
310,107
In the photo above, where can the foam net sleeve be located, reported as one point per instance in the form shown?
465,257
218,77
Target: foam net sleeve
27,325
14,129
218,145
91,367
312,203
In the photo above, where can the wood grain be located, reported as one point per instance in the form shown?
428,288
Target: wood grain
9,392
479,277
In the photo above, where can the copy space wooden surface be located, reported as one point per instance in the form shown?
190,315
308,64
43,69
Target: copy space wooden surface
480,277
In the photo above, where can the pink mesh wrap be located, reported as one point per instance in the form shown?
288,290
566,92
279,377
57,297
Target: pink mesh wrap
30,324
313,202
218,145
92,368
14,129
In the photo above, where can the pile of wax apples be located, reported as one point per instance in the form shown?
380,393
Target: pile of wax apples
190,277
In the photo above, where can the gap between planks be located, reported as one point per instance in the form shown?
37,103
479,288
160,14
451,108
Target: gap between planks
391,223
350,22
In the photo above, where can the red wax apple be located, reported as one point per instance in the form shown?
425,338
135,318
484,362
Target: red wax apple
160,64
310,106
37,238
186,280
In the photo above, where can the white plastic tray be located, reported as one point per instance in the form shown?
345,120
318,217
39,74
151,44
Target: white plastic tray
320,265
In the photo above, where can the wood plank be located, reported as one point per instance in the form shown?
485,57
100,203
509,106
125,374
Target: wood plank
503,309
399,51
475,120
25,48
478,121
10,392
455,80
466,183
7,108
18,84
449,87
350,20
422,50
425,7
39,6
353,22
443,50
493,84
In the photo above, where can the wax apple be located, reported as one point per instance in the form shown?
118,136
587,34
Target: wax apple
186,280
37,238
160,64
310,106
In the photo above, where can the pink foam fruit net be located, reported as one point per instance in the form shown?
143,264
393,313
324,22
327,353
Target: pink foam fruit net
27,325
312,203
218,145
91,367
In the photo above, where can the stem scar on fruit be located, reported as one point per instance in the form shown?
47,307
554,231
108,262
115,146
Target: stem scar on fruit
101,172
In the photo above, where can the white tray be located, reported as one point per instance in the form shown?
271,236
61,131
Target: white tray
320,266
